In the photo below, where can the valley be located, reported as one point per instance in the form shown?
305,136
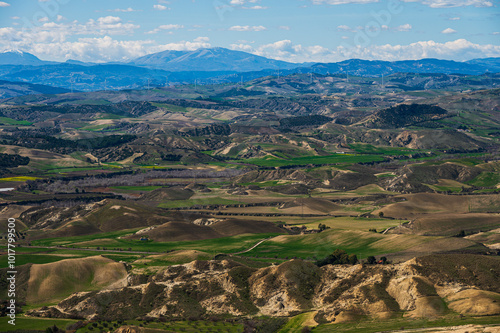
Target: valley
214,207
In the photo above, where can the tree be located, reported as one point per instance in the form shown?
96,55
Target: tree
380,214
321,227
384,260
338,257
353,259
53,329
371,260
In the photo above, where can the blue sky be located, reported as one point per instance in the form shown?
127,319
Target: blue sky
290,30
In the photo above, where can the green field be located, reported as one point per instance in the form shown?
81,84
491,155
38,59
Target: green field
112,241
136,188
32,255
9,121
314,160
18,179
198,202
372,326
170,107
370,149
25,323
312,246
355,223
486,179
168,326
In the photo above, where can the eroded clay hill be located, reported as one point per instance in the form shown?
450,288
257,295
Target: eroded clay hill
427,287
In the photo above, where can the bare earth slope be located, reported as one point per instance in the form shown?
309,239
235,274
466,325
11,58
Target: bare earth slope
466,284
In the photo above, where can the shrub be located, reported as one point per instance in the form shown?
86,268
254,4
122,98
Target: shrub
371,260
338,257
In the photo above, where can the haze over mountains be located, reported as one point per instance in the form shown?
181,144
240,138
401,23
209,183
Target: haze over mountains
213,65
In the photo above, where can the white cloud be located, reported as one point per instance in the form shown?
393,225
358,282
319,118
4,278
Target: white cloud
453,3
430,3
108,25
242,47
201,40
459,50
109,20
341,2
255,7
60,18
454,18
449,31
197,43
15,18
242,2
4,4
404,27
160,7
171,26
284,27
401,28
247,28
89,49
345,28
101,49
166,27
126,10
52,32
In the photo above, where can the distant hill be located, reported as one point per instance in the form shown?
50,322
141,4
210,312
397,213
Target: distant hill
360,67
211,66
492,64
213,59
20,58
10,89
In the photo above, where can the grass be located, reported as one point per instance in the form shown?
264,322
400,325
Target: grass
10,121
314,160
110,116
196,202
170,326
18,179
136,188
77,239
170,107
97,128
269,183
26,323
371,326
112,240
370,149
56,281
486,179
355,223
361,243
31,255
295,324
467,160
447,185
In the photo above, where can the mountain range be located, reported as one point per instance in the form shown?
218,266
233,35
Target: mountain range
213,65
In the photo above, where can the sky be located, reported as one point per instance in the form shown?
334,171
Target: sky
289,30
